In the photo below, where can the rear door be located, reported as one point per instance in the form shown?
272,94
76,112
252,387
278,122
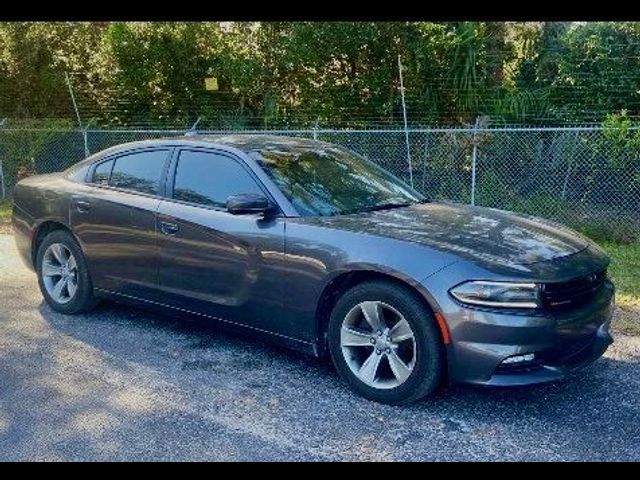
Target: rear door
115,220
227,266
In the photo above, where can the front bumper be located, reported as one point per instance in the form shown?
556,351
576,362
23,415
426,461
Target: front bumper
561,342
542,371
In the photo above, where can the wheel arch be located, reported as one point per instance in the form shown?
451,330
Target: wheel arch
346,280
42,230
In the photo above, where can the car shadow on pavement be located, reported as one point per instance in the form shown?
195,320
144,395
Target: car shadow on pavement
188,368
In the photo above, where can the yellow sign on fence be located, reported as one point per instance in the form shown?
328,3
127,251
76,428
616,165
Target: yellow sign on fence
211,83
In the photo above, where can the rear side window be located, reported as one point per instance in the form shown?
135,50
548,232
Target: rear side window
208,178
102,172
140,171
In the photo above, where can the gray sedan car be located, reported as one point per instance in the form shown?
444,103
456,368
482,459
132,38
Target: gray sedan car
309,245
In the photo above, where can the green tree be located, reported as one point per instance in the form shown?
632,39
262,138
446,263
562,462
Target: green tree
597,72
34,57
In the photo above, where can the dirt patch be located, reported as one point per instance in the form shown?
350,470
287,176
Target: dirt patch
626,319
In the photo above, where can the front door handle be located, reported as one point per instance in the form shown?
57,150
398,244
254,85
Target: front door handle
82,206
168,228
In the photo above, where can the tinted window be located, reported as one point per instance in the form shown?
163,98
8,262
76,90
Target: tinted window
102,172
209,179
330,180
139,171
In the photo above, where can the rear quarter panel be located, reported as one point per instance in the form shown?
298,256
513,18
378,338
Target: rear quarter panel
37,200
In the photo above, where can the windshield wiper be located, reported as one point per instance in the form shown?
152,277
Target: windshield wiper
385,206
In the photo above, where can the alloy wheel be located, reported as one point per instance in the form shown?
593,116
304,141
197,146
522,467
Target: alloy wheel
60,273
378,344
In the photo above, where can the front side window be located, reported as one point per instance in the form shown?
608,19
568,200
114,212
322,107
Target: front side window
208,178
140,171
330,180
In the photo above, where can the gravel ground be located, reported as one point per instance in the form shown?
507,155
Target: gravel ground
123,384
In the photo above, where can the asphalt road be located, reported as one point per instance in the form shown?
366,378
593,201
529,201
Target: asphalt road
123,384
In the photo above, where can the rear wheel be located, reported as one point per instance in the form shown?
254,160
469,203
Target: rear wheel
62,274
385,344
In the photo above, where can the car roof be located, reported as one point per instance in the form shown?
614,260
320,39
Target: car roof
243,142
256,142
246,143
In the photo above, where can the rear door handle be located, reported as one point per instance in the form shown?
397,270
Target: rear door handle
82,206
168,228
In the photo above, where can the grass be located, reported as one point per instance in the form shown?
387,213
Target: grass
5,216
5,209
625,273
625,270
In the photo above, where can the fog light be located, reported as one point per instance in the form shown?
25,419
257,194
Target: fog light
519,359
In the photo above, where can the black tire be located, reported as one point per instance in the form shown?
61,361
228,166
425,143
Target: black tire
429,365
83,298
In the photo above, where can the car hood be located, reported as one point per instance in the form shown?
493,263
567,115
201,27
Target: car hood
474,233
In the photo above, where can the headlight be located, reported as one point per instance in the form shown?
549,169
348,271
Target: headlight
497,294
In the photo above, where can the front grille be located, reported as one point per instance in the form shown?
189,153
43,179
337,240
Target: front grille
572,293
568,352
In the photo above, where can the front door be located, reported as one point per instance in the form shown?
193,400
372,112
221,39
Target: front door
211,261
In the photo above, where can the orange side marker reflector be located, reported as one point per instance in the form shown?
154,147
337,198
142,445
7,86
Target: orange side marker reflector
444,329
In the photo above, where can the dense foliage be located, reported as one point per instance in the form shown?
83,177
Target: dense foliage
335,73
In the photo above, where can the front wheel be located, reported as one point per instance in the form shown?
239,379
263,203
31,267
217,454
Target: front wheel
385,343
63,276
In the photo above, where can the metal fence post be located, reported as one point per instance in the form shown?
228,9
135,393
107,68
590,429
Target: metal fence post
315,128
474,156
425,161
2,186
73,99
4,193
86,141
406,128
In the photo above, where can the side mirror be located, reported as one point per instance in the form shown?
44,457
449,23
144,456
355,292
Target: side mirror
248,203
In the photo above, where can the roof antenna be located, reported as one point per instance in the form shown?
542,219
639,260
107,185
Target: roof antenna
192,131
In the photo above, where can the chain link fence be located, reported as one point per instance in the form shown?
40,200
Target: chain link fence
579,176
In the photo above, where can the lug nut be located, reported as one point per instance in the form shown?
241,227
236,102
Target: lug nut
389,339
378,351
379,333
388,350
373,340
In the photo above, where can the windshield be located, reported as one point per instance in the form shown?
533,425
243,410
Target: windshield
330,180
